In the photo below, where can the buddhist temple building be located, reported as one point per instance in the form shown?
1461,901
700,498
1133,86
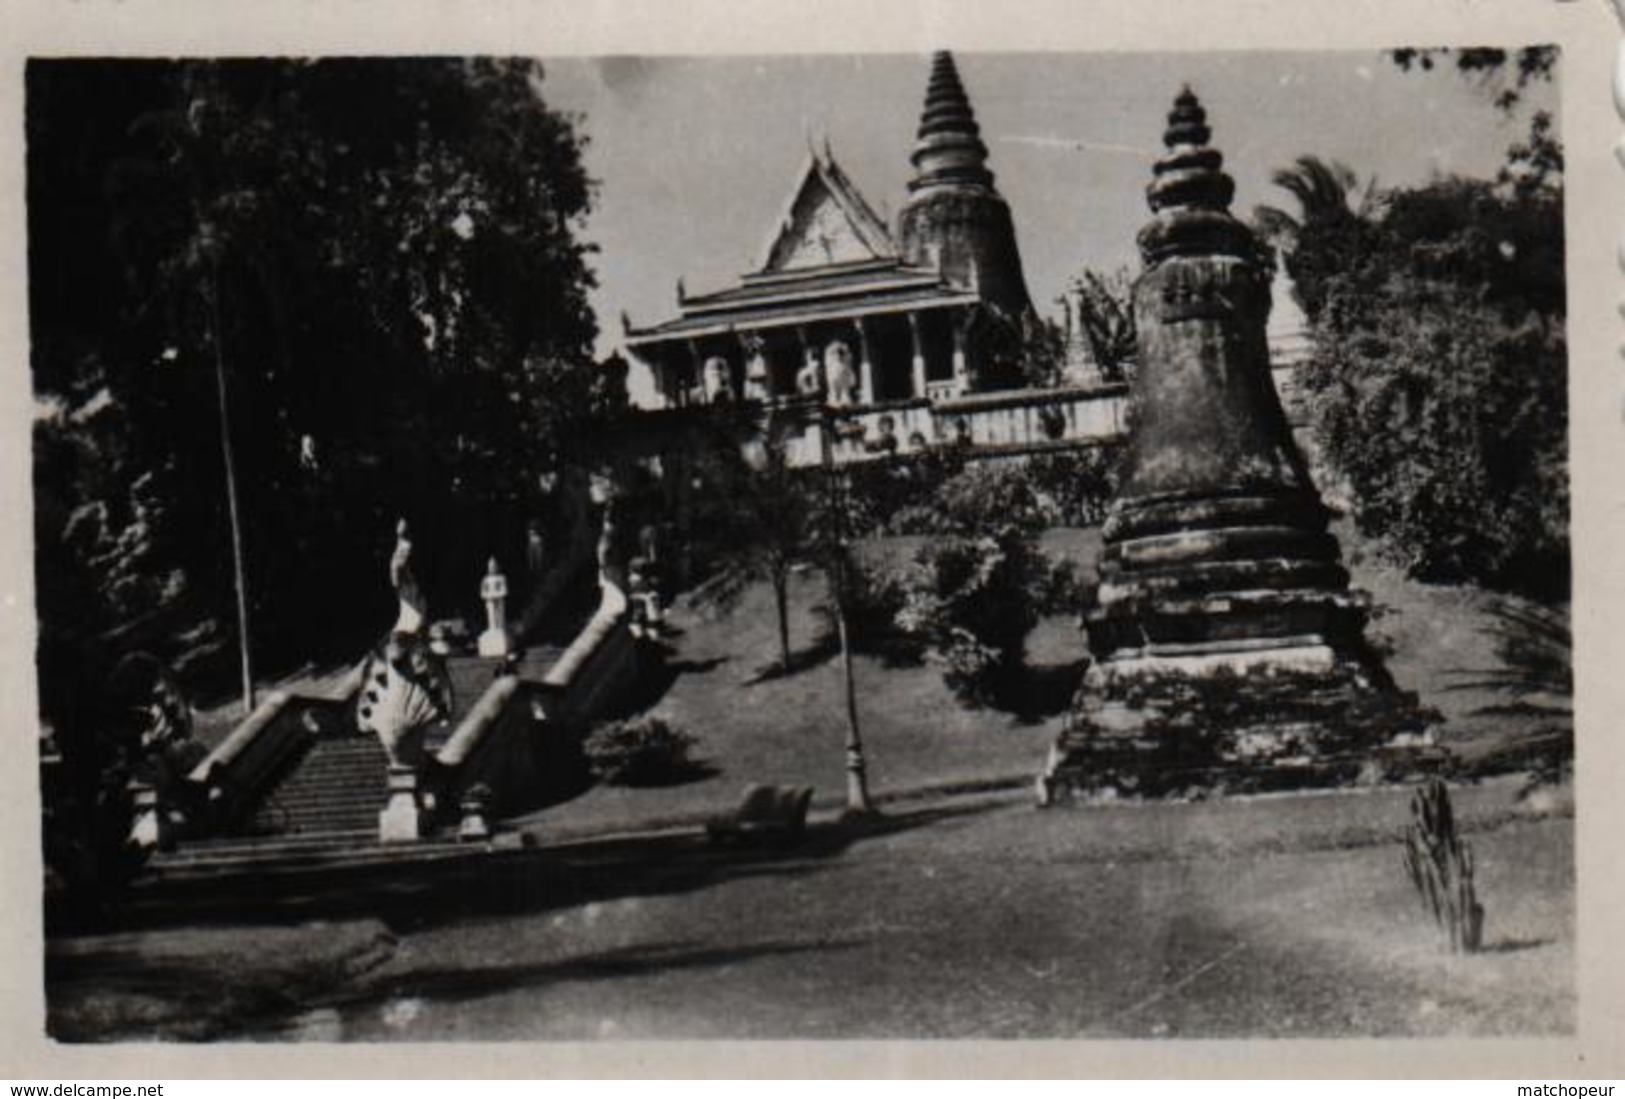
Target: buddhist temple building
908,336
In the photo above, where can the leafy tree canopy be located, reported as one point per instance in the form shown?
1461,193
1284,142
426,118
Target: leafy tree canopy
1440,377
388,254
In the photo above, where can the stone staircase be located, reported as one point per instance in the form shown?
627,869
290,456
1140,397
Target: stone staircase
333,786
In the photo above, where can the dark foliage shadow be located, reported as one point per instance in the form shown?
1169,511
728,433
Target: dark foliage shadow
873,633
658,670
200,1003
1039,693
822,650
697,770
413,896
460,985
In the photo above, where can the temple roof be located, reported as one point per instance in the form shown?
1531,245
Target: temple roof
832,292
825,221
830,257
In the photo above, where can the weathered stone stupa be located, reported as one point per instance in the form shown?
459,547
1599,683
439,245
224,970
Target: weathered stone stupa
1228,649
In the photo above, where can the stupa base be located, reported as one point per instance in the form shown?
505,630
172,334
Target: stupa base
1207,723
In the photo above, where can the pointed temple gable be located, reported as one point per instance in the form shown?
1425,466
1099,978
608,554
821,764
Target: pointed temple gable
827,221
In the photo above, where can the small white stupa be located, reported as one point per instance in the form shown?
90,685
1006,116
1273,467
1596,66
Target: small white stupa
494,642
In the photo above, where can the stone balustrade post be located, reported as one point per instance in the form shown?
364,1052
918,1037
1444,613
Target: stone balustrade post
401,819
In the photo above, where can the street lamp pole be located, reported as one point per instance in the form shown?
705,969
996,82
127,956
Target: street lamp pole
233,510
838,497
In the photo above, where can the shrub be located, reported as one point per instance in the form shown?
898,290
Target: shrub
972,601
645,751
989,498
1064,588
1440,866
1070,488
874,597
891,491
1075,485
974,500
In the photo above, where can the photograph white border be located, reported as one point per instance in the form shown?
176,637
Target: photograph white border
1588,32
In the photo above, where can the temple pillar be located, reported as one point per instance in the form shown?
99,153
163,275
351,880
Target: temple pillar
962,378
696,370
919,353
810,378
668,382
1229,651
866,369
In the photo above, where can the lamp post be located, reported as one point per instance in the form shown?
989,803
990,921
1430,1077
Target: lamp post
838,565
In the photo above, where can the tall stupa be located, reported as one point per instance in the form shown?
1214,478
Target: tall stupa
955,219
1228,650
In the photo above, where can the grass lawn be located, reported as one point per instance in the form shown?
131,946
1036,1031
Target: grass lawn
756,727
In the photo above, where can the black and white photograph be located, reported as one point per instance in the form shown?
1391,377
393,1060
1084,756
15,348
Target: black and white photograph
951,543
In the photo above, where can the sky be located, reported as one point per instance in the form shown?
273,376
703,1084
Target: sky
695,158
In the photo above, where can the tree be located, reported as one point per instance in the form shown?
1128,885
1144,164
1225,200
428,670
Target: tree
223,218
759,517
975,590
777,515
384,256
358,283
1505,74
836,518
1439,380
1440,371
1106,316
1327,233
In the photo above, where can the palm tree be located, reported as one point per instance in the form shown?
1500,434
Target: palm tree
1324,192
1106,316
1532,682
1327,209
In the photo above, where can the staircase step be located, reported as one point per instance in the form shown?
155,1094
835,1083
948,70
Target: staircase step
276,855
216,849
335,786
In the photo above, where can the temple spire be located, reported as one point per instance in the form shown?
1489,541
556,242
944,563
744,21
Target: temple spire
954,219
949,149
1190,194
